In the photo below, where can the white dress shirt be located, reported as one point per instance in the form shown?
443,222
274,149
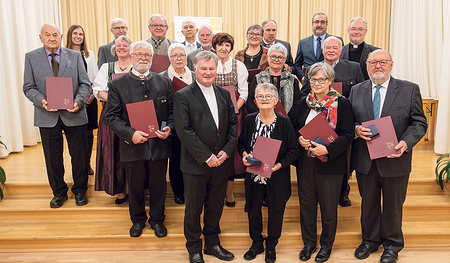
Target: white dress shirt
210,97
190,47
383,91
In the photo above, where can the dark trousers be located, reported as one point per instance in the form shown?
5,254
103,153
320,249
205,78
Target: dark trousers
382,225
204,192
322,189
52,144
255,224
138,173
345,187
175,174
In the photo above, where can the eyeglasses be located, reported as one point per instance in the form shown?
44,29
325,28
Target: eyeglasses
140,55
175,56
156,26
254,34
267,97
319,22
373,63
353,29
120,28
279,58
314,80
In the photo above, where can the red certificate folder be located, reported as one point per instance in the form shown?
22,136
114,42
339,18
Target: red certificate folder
142,117
178,84
266,150
233,97
280,109
116,75
337,86
318,126
160,63
252,73
383,144
59,93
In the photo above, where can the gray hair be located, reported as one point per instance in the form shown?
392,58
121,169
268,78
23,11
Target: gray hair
117,20
206,55
154,16
357,18
50,24
141,44
379,50
174,46
320,14
121,38
332,38
188,20
327,70
207,26
277,47
267,86
267,21
255,26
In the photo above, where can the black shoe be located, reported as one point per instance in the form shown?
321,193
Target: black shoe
179,199
90,172
323,255
58,201
219,252
306,252
160,229
271,255
364,250
345,202
230,204
253,251
81,199
120,201
389,256
196,258
136,229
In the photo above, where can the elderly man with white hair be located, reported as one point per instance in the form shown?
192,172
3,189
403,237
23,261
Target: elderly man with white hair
118,28
144,159
157,24
189,30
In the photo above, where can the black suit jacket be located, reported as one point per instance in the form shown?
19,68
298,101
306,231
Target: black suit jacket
197,131
403,103
347,72
345,129
364,55
105,55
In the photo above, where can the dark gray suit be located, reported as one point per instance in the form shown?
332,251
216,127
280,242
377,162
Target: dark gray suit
364,55
200,138
305,54
105,55
51,124
403,103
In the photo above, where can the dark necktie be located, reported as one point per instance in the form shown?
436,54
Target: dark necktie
376,102
319,48
55,65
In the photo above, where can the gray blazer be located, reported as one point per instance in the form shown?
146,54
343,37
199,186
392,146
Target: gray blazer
364,55
37,68
105,55
403,103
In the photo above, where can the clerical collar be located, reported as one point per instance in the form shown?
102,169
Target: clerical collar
356,46
140,76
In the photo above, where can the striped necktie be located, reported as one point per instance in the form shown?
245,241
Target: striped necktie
376,102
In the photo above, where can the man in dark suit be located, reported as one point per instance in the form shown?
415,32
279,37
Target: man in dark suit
48,61
118,28
358,50
309,50
144,160
206,124
205,35
378,97
270,37
189,31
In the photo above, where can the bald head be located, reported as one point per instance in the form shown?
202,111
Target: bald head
51,37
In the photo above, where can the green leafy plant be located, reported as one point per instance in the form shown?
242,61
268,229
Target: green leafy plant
442,170
2,173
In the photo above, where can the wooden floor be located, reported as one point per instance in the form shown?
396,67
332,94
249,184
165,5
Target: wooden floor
30,231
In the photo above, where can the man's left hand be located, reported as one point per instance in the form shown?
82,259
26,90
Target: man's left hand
402,146
222,156
163,135
75,108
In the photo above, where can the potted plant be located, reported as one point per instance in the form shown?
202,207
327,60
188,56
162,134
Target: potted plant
2,173
442,170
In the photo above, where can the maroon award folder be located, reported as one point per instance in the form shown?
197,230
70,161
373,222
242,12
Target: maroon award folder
252,73
116,75
383,144
337,86
59,93
318,126
266,150
160,63
233,97
142,117
280,109
178,84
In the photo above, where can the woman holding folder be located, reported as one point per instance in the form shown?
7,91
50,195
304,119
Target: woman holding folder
270,124
320,168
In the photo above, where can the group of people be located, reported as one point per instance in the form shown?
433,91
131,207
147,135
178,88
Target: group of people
206,142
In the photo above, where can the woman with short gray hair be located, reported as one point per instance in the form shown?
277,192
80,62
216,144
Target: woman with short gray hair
254,55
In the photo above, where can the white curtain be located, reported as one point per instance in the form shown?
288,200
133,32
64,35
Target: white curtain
442,138
21,21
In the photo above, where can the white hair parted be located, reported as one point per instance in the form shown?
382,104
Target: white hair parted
277,47
174,46
118,20
141,45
